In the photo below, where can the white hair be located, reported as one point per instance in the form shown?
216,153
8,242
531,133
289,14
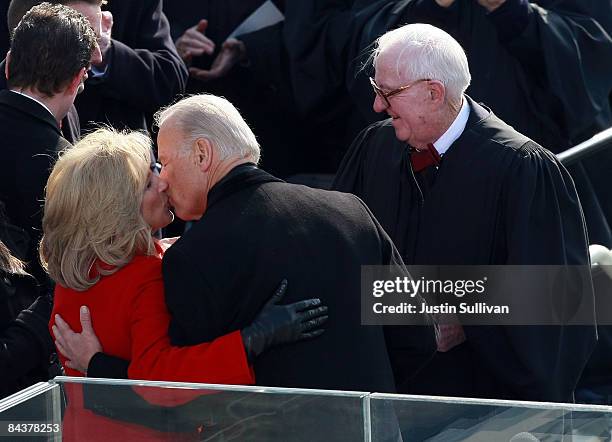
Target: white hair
215,119
427,52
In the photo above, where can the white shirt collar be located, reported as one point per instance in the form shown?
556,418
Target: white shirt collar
38,101
455,130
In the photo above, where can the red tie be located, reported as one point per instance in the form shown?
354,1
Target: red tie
422,159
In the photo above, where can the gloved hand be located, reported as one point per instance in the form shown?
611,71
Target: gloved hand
282,324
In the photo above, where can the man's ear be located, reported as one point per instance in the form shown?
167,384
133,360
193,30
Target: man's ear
204,152
6,64
437,91
76,81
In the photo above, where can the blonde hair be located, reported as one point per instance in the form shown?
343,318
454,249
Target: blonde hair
92,208
215,119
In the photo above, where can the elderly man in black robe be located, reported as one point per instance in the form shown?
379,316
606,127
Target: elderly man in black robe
453,184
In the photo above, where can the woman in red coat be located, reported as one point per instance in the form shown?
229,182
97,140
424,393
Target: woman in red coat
102,204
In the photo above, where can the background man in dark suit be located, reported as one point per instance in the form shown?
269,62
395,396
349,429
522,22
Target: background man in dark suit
59,42
455,185
140,70
251,227
70,126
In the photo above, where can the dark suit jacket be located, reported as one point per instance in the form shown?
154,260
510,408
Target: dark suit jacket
144,71
30,139
71,127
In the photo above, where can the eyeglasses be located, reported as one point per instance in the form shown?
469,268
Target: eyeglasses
155,168
386,95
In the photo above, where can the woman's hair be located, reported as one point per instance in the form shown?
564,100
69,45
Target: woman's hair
8,263
93,208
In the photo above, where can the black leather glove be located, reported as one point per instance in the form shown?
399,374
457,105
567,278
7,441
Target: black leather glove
282,324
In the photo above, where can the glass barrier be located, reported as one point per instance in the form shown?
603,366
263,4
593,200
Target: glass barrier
427,418
101,409
32,414
80,409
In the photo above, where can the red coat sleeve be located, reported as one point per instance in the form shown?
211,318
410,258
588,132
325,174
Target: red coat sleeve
222,361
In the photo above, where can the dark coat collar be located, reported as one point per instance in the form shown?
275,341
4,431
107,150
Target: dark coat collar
28,106
240,177
478,112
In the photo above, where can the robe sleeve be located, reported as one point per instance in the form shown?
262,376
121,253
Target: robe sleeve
544,225
544,219
351,174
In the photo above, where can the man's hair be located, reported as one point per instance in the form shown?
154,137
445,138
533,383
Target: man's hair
425,51
18,8
92,209
51,44
215,119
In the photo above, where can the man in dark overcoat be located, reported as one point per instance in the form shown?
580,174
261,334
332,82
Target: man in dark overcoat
251,228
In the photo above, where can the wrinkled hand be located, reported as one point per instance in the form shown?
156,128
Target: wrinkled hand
77,348
491,5
282,324
232,52
194,43
445,3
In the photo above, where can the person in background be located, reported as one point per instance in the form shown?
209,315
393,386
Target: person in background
140,70
59,42
25,344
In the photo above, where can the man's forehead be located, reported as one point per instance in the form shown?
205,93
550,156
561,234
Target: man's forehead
168,139
388,64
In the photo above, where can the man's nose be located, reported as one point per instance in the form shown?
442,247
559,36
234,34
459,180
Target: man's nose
379,104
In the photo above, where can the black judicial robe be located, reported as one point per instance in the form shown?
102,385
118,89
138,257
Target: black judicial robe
498,198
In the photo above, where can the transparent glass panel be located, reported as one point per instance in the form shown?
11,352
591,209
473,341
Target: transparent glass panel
423,418
32,414
100,409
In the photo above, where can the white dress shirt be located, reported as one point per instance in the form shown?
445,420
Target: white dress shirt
455,130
